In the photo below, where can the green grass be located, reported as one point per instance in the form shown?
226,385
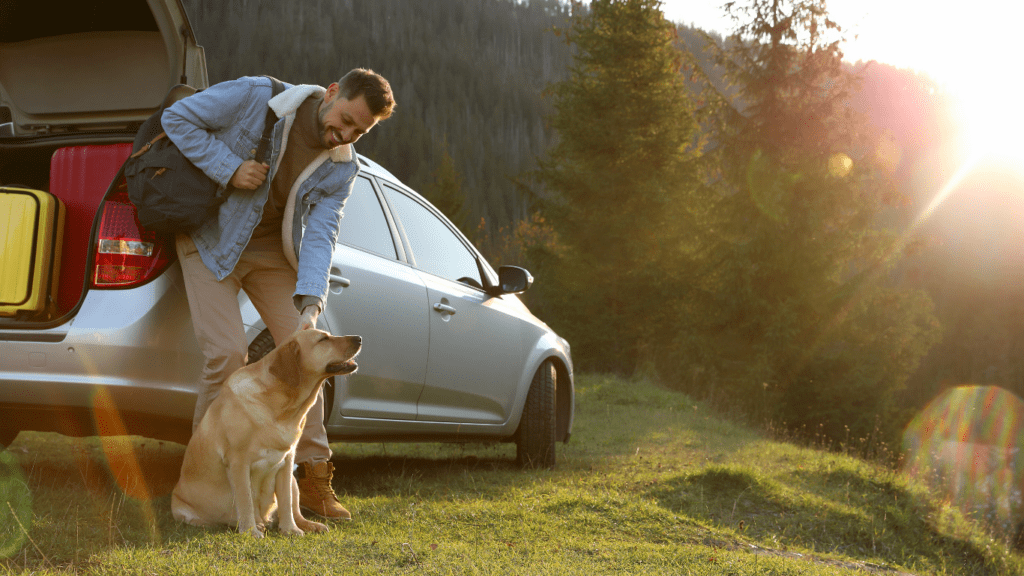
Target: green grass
651,483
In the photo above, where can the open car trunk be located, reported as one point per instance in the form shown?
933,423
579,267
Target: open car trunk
75,85
78,177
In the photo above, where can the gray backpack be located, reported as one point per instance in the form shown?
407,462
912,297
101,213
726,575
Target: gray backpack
170,193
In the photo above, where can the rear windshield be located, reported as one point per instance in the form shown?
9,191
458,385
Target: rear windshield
25,20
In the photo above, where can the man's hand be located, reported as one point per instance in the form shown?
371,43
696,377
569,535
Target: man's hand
249,175
308,319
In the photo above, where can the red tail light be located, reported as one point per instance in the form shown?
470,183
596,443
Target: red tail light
126,254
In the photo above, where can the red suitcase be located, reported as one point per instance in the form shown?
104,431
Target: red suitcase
80,176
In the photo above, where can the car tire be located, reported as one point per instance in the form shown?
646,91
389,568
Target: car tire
535,439
261,345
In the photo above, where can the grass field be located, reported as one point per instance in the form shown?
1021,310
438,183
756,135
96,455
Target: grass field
651,483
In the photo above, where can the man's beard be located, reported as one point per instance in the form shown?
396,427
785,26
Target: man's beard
322,129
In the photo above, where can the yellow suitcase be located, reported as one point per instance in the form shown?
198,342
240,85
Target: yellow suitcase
31,239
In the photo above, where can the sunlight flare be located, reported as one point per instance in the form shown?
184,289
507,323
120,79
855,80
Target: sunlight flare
992,122
966,445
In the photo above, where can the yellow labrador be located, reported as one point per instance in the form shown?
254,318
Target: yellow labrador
238,464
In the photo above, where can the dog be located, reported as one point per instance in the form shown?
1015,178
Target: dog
238,464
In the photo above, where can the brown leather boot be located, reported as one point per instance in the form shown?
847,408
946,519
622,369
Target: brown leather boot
315,492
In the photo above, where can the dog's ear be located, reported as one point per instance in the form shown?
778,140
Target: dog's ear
285,364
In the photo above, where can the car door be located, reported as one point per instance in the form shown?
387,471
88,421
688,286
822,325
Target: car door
376,296
477,350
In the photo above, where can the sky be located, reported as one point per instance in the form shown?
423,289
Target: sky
906,33
971,49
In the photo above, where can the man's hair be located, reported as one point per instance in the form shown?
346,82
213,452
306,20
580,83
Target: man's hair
372,86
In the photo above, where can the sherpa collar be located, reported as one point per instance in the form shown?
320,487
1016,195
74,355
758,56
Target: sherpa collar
287,102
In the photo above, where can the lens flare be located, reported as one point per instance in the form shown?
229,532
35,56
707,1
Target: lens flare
965,445
840,165
121,458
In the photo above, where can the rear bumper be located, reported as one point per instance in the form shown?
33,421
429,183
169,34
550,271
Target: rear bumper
130,352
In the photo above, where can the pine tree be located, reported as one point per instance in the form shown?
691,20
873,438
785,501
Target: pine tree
799,298
621,177
445,190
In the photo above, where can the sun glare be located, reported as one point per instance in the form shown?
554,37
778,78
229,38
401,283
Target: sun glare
992,119
968,51
978,75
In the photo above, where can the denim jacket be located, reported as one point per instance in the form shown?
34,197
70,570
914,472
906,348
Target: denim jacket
220,127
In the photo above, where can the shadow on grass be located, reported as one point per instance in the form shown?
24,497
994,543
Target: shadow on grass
427,470
145,469
833,511
91,494
140,468
106,492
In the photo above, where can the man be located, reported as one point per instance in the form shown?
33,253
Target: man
257,242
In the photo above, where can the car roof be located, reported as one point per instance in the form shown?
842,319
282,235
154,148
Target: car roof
372,167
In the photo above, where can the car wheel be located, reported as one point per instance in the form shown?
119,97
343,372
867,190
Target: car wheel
263,343
535,439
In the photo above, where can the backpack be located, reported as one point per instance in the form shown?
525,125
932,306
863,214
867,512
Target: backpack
169,192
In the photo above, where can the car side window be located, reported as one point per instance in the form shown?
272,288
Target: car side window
363,224
435,247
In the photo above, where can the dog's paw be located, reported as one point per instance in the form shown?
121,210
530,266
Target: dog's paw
291,531
255,531
310,526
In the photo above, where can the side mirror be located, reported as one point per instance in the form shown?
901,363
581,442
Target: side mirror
512,280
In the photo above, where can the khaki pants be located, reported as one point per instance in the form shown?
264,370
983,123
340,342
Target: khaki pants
269,281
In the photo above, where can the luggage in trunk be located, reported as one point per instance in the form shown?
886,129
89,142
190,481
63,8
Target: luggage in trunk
32,232
80,176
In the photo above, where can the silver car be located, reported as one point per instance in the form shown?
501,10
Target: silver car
450,353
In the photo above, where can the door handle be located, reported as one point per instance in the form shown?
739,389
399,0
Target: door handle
444,308
337,279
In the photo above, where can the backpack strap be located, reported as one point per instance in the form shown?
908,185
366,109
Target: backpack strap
268,126
148,145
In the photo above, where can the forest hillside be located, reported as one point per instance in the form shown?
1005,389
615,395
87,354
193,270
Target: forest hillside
472,80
